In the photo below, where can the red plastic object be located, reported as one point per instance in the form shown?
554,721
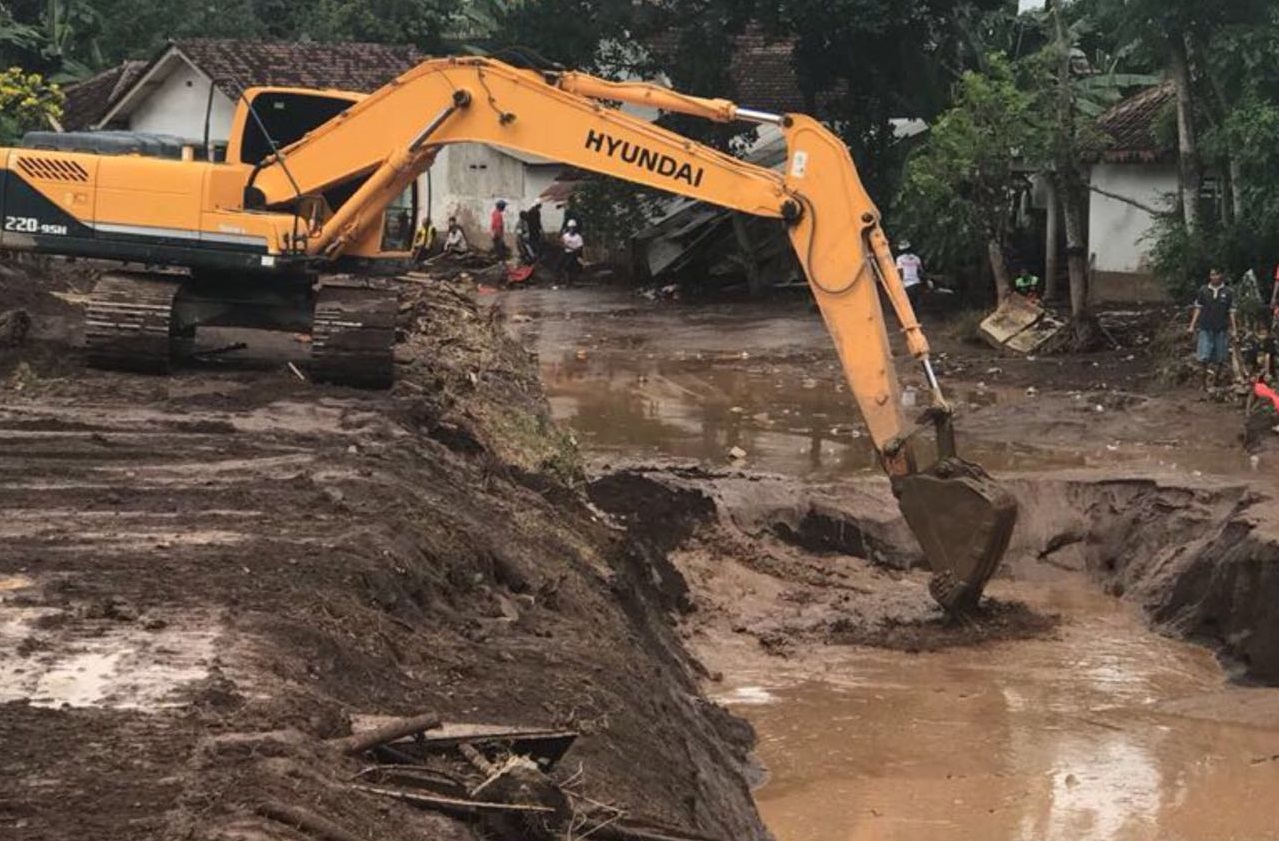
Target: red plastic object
1263,390
518,274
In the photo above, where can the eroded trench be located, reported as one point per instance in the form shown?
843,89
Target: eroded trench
1113,687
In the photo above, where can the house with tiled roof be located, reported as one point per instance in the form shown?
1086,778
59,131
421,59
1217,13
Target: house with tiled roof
88,99
1132,173
190,89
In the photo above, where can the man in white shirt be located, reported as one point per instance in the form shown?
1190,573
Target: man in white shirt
454,240
573,245
911,268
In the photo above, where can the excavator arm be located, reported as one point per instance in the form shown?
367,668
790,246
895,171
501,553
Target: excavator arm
962,519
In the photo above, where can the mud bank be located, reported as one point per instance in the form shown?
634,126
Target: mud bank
204,579
1200,559
790,564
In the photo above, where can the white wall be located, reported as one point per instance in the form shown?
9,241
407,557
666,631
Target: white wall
1116,230
178,106
536,180
467,180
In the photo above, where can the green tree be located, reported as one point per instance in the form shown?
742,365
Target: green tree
57,38
864,63
27,102
418,22
16,39
961,184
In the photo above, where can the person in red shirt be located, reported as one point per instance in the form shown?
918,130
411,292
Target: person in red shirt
497,227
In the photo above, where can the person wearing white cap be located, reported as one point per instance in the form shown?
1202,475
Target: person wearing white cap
573,244
911,268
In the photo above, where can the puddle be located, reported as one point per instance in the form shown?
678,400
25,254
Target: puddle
746,695
700,410
10,583
1106,733
95,664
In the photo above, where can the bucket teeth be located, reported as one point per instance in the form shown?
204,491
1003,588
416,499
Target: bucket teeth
352,336
128,323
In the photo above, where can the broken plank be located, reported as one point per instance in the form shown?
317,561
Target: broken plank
543,745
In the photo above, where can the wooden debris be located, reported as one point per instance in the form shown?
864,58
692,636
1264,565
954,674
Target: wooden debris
414,777
306,820
358,743
544,746
452,805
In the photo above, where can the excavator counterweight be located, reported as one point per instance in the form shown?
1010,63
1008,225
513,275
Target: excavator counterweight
311,181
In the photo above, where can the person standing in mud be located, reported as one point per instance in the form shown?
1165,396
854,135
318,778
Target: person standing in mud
523,240
911,268
1213,322
497,228
536,234
573,245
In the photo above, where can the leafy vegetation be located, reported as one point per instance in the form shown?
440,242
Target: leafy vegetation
960,186
27,101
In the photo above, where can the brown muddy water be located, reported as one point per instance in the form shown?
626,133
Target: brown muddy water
1105,731
639,379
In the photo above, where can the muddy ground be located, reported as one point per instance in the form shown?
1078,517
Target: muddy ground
205,577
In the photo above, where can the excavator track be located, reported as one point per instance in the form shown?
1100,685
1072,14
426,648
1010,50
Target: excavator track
129,323
353,335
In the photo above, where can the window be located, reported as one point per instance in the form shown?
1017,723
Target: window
287,117
398,222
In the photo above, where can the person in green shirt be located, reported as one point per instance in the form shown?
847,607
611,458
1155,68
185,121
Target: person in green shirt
1027,283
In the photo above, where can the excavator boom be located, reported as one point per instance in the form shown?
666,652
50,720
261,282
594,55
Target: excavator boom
962,518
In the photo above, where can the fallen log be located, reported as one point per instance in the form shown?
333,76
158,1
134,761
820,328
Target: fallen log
358,743
306,820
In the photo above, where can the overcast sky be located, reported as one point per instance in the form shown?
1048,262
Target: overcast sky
1027,5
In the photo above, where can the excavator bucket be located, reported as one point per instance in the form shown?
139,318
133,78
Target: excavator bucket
963,520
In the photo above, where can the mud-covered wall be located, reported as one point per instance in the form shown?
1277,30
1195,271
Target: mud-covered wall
1201,560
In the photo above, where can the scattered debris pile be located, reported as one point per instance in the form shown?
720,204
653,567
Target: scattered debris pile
1020,325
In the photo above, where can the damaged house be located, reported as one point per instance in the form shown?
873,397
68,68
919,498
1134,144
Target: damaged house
707,244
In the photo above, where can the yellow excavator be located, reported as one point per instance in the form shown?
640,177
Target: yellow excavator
309,198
